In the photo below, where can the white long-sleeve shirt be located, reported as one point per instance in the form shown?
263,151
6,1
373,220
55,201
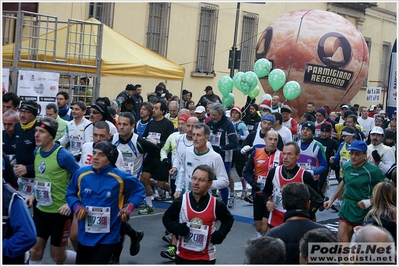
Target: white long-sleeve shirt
74,135
387,156
190,160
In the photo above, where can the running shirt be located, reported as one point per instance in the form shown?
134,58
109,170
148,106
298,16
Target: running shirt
197,245
276,217
132,158
263,163
140,127
74,135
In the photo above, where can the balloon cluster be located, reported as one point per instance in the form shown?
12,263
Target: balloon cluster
247,83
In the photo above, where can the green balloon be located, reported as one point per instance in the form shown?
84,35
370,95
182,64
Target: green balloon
276,79
262,67
254,93
291,90
237,79
248,82
265,96
228,100
225,85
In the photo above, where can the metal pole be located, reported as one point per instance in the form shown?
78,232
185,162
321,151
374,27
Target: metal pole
383,91
234,48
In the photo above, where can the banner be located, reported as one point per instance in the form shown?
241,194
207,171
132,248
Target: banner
5,79
41,87
391,87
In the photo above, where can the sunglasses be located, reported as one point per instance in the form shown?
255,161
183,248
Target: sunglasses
95,112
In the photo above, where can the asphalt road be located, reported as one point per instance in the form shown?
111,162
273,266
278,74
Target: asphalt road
231,251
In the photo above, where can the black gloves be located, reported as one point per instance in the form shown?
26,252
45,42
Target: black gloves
376,156
165,161
217,237
181,229
255,187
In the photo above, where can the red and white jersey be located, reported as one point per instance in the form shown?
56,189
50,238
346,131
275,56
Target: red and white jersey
276,217
196,245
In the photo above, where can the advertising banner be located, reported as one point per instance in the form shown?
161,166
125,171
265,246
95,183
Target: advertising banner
39,86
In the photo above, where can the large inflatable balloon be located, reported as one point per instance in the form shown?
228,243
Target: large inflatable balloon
322,51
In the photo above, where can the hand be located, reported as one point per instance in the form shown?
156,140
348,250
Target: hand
376,156
246,149
364,204
29,200
80,212
255,187
327,204
331,159
20,170
177,194
165,162
126,212
152,140
181,229
172,171
64,210
217,237
270,205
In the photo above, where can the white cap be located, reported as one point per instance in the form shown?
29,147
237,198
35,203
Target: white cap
377,130
199,109
381,112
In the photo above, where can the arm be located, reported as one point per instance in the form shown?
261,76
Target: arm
222,179
321,157
268,189
72,192
67,161
168,147
337,193
65,138
24,230
171,215
134,188
225,217
233,140
151,149
249,168
315,195
387,160
294,128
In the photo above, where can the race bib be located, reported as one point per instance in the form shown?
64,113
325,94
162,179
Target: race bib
277,196
98,219
43,193
76,143
343,161
155,136
197,238
305,165
215,139
261,182
25,186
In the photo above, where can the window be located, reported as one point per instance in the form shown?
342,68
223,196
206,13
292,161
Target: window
368,43
103,12
206,40
158,27
248,41
386,53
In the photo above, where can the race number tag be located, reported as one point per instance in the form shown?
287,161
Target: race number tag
261,182
43,193
98,219
305,165
128,166
215,139
343,161
155,136
277,196
76,143
25,186
196,240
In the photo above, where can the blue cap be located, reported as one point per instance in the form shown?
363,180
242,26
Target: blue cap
268,117
358,146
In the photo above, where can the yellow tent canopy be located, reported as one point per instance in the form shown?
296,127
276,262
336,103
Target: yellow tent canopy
120,56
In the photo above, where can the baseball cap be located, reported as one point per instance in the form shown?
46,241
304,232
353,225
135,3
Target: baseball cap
378,118
358,146
372,107
130,87
377,130
208,88
325,127
184,117
236,108
381,111
185,92
322,111
199,109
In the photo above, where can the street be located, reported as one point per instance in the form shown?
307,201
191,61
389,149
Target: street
231,251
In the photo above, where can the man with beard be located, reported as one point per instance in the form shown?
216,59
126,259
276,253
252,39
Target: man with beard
252,117
377,153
